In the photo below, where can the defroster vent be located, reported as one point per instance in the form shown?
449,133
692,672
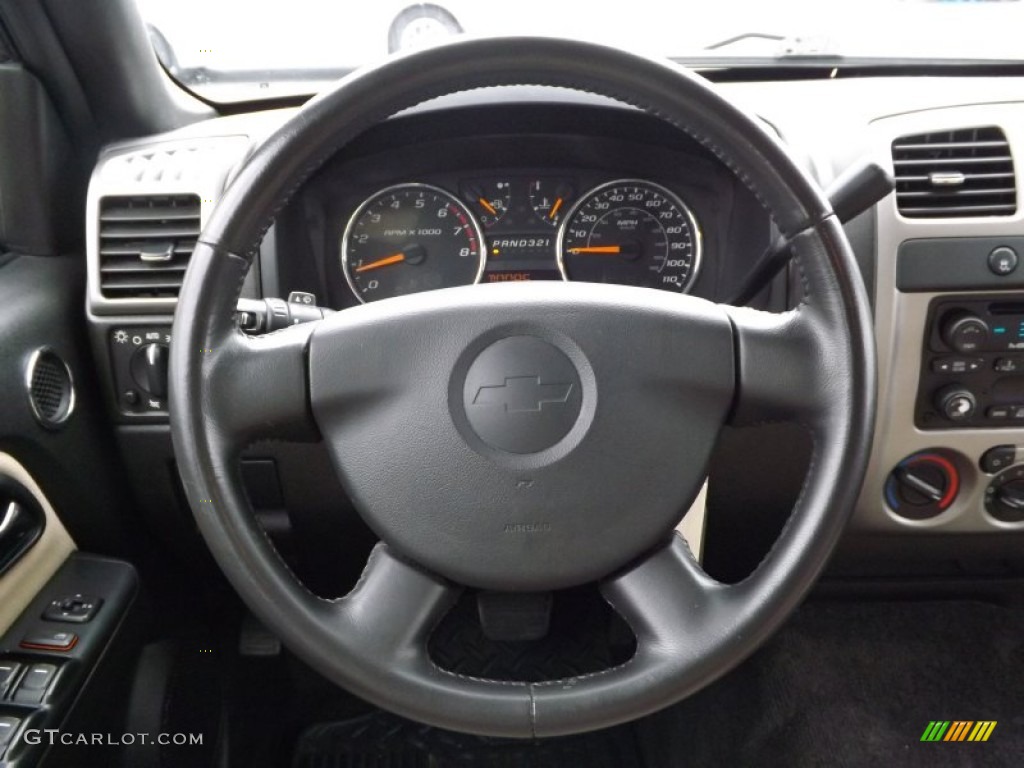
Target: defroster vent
952,174
145,244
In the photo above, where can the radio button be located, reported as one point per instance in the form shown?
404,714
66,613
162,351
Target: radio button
957,365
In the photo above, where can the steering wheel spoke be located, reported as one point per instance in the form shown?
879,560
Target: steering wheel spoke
664,598
782,373
259,386
393,609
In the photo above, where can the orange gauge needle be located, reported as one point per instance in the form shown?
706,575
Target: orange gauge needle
487,206
386,261
597,249
554,208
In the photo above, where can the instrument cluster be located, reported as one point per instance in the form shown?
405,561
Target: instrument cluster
413,237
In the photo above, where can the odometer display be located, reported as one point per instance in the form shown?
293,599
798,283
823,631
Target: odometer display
630,232
411,238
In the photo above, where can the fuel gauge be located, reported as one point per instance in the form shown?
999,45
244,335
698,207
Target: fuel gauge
550,199
490,200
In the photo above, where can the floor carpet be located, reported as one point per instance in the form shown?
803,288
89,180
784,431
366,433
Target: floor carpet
857,684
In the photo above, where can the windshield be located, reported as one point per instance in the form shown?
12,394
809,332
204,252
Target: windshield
231,50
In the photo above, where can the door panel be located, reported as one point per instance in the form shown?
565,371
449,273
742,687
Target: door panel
75,463
20,583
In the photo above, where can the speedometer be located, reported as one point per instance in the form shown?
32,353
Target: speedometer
411,238
630,232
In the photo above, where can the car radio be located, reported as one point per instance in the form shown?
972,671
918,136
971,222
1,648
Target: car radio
972,368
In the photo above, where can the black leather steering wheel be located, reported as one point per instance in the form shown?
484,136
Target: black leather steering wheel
651,378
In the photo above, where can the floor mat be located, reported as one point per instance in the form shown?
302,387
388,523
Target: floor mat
381,740
857,684
586,636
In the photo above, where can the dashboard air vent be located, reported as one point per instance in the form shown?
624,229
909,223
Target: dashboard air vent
951,174
145,244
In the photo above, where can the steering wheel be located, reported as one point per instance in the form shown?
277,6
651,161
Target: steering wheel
587,490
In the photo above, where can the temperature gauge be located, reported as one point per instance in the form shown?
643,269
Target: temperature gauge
550,199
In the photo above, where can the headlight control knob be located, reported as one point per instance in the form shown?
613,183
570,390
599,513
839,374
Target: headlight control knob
149,369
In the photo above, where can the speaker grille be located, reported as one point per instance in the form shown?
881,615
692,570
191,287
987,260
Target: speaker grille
51,391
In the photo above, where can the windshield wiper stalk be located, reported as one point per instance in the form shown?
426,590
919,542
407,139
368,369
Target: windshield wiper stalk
854,191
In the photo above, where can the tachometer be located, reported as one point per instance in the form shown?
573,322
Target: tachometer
410,238
630,232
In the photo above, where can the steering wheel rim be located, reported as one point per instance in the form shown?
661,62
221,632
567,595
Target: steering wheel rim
813,364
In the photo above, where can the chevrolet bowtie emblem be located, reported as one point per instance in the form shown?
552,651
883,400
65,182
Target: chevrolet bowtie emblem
522,394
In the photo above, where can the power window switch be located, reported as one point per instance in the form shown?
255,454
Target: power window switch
8,727
8,671
34,683
28,696
73,609
50,640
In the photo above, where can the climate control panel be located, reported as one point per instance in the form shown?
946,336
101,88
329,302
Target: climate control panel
972,366
949,487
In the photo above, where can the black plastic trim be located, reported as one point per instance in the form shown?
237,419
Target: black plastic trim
954,264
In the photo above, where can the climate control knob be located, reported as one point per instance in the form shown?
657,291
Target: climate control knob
964,332
923,485
1004,497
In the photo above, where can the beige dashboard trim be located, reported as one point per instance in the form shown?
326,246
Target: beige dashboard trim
691,527
20,585
900,326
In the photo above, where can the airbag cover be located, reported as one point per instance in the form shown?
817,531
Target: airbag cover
523,437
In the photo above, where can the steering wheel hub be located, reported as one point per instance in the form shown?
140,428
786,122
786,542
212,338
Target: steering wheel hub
500,440
521,395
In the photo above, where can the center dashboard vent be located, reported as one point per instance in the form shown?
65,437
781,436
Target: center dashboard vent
145,244
952,174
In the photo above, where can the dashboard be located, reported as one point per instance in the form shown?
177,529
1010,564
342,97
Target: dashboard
520,185
522,196
502,227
